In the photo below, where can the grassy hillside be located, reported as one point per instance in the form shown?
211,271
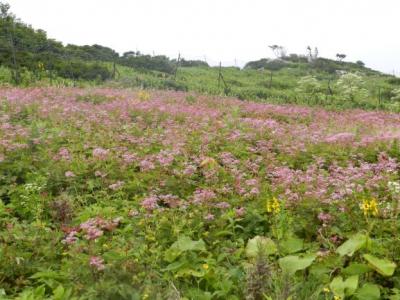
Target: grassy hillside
29,58
280,86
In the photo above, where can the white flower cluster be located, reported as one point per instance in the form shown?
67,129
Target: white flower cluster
394,187
33,187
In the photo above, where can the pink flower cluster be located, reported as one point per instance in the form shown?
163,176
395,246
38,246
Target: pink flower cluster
97,263
91,229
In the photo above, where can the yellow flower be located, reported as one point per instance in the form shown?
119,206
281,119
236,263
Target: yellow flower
205,266
373,206
273,206
326,290
208,162
369,207
336,298
143,95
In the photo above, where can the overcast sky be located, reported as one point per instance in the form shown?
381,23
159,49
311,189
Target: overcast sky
225,30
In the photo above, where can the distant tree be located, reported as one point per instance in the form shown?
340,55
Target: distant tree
360,63
309,54
293,57
129,53
192,63
279,51
351,86
340,56
8,40
4,9
265,63
316,53
312,56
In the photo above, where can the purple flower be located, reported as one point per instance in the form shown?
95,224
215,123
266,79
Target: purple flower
223,205
324,217
93,233
100,153
150,203
240,212
202,196
146,165
116,186
69,174
97,263
70,238
209,217
63,154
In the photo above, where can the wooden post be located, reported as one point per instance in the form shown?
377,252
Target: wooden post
379,96
177,65
219,75
270,80
113,72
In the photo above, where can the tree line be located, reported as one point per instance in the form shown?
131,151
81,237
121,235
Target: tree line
25,48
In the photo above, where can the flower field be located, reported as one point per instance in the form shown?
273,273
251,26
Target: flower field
125,194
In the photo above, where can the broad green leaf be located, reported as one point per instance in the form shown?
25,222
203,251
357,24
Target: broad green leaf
190,272
183,244
341,288
395,294
260,244
175,265
382,266
352,245
351,285
291,245
368,291
356,269
292,263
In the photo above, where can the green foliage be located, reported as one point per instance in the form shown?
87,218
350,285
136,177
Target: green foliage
309,87
396,95
260,245
268,64
352,87
173,248
382,266
344,288
353,244
369,292
293,263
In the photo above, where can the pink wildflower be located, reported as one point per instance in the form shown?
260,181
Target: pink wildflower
240,212
150,203
100,153
69,174
209,217
129,158
97,263
63,154
324,217
93,233
116,186
70,238
146,165
202,196
223,205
